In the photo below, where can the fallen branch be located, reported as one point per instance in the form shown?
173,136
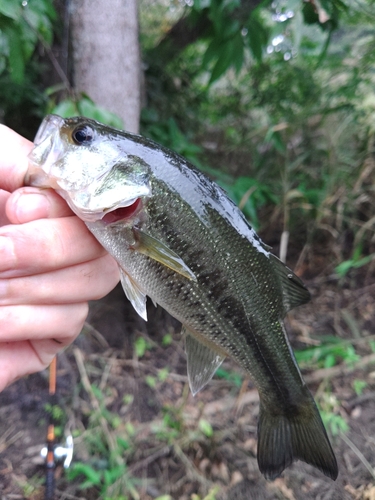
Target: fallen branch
359,454
342,369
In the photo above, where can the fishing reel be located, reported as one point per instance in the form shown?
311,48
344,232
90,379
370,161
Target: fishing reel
61,453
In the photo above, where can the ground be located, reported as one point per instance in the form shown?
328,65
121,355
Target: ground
131,412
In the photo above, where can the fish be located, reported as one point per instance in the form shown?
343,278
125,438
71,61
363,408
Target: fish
179,240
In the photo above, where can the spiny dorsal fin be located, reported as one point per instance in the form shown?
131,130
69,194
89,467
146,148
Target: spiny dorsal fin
155,249
202,362
294,291
136,296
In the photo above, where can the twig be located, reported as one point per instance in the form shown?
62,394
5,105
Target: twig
65,495
53,59
360,455
360,399
164,450
342,369
191,470
94,402
284,245
6,441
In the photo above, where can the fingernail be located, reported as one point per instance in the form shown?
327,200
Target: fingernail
7,255
31,206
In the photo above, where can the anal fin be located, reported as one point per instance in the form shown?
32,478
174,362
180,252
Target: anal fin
202,362
136,296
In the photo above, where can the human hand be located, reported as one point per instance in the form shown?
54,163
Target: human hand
50,266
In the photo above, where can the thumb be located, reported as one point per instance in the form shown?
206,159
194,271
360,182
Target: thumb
13,159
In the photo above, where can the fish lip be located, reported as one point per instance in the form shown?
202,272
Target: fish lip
120,205
95,214
48,149
135,207
48,127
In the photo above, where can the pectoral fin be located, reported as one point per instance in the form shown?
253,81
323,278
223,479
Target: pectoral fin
202,362
156,250
136,296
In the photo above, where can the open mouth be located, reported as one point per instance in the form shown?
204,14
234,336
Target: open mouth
122,213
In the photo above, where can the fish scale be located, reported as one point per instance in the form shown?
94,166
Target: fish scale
179,240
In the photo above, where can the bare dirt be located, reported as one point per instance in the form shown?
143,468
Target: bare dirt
169,446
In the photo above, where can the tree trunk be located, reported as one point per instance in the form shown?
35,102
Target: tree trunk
106,56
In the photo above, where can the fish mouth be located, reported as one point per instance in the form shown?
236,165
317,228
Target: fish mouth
122,213
94,186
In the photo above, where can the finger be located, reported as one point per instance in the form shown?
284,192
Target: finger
4,196
13,161
44,245
60,322
18,359
28,203
90,280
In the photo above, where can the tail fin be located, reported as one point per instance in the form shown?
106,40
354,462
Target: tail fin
297,434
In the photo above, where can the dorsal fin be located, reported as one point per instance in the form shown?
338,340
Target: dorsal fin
294,291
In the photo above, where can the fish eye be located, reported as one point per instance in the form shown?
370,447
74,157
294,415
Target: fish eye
83,134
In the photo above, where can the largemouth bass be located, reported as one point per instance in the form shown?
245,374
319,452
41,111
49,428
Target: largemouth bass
179,240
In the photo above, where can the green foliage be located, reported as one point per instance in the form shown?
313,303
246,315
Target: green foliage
103,479
234,378
205,426
22,25
211,495
167,339
151,381
358,386
333,421
84,106
106,473
290,121
355,262
330,351
335,424
57,413
141,346
170,135
250,195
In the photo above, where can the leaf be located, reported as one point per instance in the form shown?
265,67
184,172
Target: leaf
16,56
257,36
238,52
212,52
205,426
92,476
88,108
140,346
65,108
11,9
226,53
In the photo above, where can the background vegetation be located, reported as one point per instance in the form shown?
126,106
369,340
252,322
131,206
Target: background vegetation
276,102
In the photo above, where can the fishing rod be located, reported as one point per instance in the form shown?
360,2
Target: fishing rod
53,453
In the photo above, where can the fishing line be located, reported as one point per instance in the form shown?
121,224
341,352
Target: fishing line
50,456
